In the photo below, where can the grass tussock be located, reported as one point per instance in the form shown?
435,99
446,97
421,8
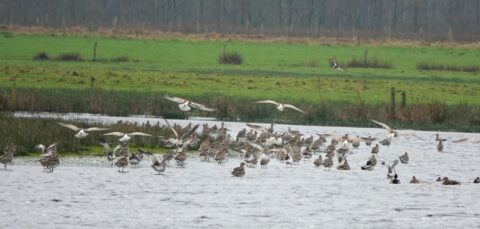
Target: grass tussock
373,63
230,58
41,56
69,57
445,67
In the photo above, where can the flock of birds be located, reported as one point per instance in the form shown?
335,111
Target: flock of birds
254,145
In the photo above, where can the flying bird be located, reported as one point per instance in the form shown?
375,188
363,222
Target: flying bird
392,132
334,64
186,105
281,106
126,137
81,133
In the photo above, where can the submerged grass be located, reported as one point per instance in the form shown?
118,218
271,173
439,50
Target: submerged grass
26,133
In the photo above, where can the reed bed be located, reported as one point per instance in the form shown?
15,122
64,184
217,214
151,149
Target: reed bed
433,115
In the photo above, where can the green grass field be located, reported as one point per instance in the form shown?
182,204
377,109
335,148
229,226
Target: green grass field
292,72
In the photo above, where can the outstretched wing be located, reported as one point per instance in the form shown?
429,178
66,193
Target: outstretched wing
190,131
139,134
467,140
201,107
105,145
52,149
95,129
257,127
118,134
294,107
385,126
259,147
69,126
171,128
268,101
175,99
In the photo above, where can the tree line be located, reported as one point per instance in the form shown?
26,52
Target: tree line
436,20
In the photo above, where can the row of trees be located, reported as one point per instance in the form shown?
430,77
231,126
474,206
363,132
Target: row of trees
457,20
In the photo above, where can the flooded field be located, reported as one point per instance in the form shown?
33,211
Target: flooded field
86,192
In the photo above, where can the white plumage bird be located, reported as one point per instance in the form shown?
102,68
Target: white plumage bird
186,105
281,106
126,137
81,133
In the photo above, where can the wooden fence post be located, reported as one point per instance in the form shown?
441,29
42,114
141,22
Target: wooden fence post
404,98
14,93
95,51
92,97
392,103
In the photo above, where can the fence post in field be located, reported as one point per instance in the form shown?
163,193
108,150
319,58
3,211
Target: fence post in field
95,51
392,103
92,84
404,98
14,93
365,56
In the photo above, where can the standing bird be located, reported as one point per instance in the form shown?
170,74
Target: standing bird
186,105
281,106
328,163
440,145
239,171
318,162
404,158
81,133
49,158
7,156
122,163
136,158
158,166
375,149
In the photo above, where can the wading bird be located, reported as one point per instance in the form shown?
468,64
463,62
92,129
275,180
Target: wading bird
7,156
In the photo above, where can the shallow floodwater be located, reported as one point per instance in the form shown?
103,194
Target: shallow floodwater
86,192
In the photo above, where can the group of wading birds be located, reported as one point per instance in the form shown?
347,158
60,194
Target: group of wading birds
255,146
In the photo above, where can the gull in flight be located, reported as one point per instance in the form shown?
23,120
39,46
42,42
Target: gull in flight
186,105
81,133
281,106
126,137
392,132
